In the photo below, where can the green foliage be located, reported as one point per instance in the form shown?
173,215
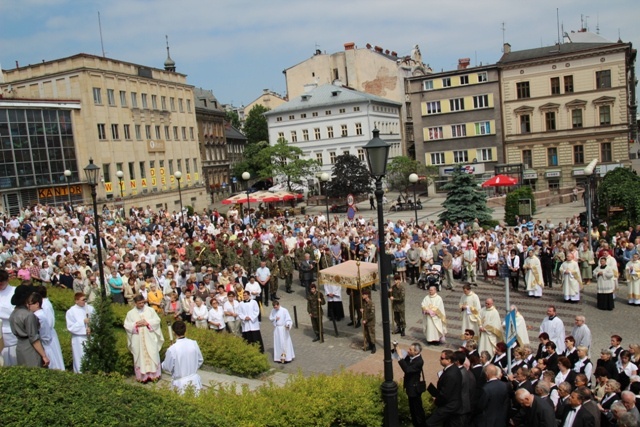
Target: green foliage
464,201
399,169
256,128
233,118
489,224
511,203
250,162
284,160
100,354
349,176
619,187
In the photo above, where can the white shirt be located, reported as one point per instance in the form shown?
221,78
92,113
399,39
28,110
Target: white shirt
571,416
253,287
183,360
230,308
5,312
248,312
216,315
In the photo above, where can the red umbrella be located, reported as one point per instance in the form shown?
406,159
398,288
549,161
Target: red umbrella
238,198
500,181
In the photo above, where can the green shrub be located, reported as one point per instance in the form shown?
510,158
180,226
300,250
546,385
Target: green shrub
490,224
100,354
511,203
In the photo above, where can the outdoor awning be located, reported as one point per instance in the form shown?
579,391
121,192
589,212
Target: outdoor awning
346,275
555,173
530,174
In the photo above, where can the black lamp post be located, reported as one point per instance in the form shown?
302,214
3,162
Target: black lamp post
92,172
325,178
67,177
377,157
246,176
120,175
178,176
413,178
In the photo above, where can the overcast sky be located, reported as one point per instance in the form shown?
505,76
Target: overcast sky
239,47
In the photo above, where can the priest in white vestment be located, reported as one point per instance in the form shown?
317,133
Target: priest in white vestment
490,328
144,340
554,327
248,313
434,317
470,309
533,274
632,271
282,345
571,280
77,318
6,308
183,359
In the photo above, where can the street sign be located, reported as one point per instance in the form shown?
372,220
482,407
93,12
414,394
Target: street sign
511,333
234,179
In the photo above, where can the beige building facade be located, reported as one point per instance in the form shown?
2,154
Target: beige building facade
268,99
131,118
564,106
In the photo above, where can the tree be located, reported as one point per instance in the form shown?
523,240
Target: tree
464,201
100,354
401,167
511,205
619,188
284,160
255,125
349,176
251,160
232,117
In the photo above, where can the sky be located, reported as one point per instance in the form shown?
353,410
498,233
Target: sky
237,48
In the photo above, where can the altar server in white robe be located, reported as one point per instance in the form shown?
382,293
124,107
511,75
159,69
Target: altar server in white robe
6,308
490,328
282,345
335,310
144,339
571,280
533,274
248,313
470,308
56,361
51,348
183,359
78,324
632,271
554,327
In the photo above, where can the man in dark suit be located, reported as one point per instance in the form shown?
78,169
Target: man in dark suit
468,388
535,412
589,404
564,392
493,400
552,357
521,380
412,367
578,415
449,397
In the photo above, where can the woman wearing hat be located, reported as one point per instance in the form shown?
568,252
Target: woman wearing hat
26,327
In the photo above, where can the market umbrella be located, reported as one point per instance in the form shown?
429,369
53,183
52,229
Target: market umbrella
286,195
239,198
500,181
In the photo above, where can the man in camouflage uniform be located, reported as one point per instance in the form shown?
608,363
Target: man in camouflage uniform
273,266
315,301
355,304
286,270
397,304
368,321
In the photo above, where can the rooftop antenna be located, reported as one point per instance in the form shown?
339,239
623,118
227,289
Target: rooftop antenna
558,24
101,40
598,24
503,31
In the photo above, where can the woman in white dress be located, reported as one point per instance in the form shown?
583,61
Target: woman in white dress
215,317
200,314
51,346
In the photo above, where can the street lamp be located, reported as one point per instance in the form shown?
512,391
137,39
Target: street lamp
178,176
67,177
588,172
92,172
325,178
120,175
247,176
377,157
413,178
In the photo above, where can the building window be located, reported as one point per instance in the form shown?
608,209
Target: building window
522,89
175,133
303,116
170,166
167,133
329,131
191,136
132,170
123,98
427,85
550,120
294,136
433,107
143,98
437,158
525,123
464,80
188,105
97,96
555,85
358,128
115,134
314,114
316,133
603,79
157,129
154,102
361,154
327,113
134,100
605,115
291,117
576,118
578,154
481,101
342,110
184,133
456,104
195,165
346,152
552,156
458,131
435,133
554,185
147,131
278,119
143,171
483,128
319,159
356,108
460,156
102,134
280,136
343,130
527,159
106,172
127,132
568,84
332,157
485,154
163,103
482,77
305,134
138,129
180,105
605,152
172,103
446,82
111,97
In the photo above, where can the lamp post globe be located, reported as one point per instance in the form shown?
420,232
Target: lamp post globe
588,172
67,177
178,176
246,176
324,177
413,179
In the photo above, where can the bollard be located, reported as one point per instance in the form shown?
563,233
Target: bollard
295,316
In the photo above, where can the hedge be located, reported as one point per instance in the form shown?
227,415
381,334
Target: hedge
511,207
41,396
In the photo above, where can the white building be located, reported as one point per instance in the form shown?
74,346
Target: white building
330,120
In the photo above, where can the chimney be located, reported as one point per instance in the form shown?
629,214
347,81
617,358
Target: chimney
349,46
506,48
463,63
378,49
309,87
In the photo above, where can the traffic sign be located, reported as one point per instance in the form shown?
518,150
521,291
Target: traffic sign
511,332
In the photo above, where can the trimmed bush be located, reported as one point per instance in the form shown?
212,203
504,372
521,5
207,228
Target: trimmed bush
511,203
